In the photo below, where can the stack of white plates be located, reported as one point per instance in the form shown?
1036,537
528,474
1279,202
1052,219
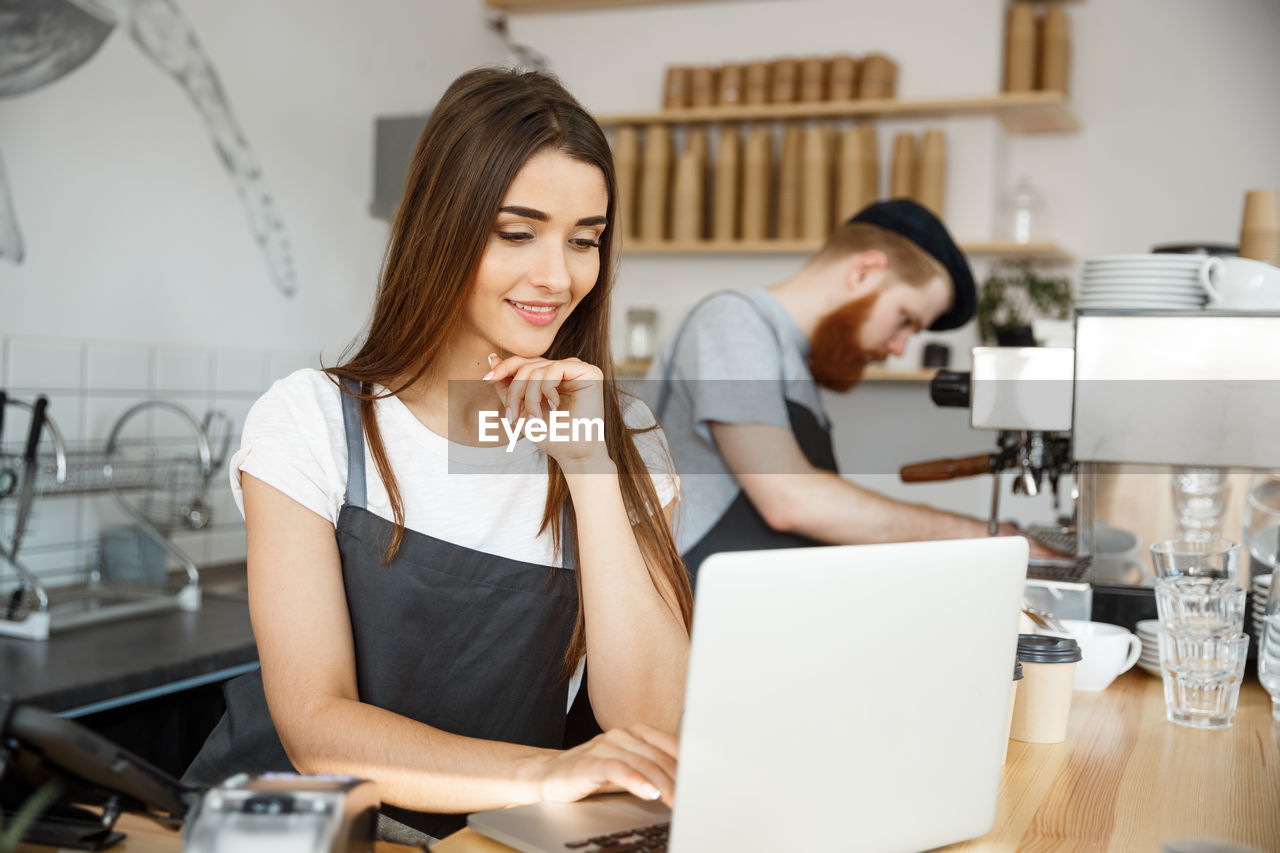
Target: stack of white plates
1148,631
1143,283
1261,588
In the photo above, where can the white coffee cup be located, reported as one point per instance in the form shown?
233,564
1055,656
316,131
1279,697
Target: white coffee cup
1106,652
1241,284
1115,556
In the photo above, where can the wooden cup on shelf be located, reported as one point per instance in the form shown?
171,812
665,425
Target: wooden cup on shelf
732,83
757,180
813,79
757,82
727,191
931,173
857,171
675,92
626,163
870,161
790,176
702,86
842,78
688,189
879,78
1055,50
902,175
784,88
816,195
655,184
1020,48
1260,226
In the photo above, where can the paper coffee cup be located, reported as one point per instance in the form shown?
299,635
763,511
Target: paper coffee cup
1013,698
1043,703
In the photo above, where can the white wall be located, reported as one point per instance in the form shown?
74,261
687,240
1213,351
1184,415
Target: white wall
1178,106
134,231
141,277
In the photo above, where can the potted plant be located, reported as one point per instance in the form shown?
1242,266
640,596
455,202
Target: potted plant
1012,295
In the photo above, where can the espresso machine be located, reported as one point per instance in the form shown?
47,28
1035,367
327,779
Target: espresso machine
1141,392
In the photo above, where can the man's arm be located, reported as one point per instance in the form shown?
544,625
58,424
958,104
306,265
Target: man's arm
795,497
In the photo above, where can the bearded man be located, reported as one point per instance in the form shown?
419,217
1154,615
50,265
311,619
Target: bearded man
736,389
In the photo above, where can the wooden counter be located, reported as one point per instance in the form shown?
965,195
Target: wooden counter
1125,780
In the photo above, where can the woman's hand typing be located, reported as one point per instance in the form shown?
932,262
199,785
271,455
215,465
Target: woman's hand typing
638,759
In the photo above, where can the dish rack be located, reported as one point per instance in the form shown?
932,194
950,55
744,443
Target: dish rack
161,484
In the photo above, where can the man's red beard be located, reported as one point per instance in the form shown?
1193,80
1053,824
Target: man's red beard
836,358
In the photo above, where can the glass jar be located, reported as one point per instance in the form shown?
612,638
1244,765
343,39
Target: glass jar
1022,213
1199,500
1262,524
642,333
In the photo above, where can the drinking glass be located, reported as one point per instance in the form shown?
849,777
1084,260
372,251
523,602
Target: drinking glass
1199,499
1269,649
1202,677
1262,523
1218,559
1200,606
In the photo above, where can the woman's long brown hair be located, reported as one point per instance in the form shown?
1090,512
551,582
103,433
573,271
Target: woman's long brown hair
487,125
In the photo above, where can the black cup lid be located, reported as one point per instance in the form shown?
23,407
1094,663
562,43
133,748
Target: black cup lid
1017,670
1036,648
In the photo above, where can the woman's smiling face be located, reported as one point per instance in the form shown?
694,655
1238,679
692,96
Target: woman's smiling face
542,256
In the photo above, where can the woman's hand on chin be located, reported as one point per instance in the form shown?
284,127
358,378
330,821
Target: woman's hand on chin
565,396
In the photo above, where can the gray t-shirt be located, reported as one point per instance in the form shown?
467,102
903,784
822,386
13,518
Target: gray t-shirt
737,358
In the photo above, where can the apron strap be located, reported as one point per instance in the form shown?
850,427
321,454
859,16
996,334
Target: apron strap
664,394
354,427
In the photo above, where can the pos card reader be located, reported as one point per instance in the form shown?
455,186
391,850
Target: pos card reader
284,813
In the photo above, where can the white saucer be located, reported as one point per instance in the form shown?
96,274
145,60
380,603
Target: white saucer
1153,260
1150,670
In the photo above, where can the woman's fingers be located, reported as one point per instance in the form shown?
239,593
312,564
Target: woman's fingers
643,778
536,386
639,760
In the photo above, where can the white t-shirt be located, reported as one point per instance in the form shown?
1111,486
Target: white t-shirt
482,498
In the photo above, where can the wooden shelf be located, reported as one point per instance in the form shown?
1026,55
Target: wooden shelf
1021,112
1039,250
516,6
633,369
878,373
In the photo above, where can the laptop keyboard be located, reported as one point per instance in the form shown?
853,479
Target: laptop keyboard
645,838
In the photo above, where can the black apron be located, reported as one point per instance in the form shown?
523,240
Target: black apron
467,642
742,527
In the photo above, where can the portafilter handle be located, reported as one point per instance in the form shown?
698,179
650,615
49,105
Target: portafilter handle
947,469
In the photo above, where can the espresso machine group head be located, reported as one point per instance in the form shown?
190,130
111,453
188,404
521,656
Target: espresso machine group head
1024,395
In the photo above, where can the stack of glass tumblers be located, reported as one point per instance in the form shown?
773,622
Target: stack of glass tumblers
1203,646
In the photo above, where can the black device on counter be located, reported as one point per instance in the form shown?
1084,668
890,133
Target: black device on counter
38,748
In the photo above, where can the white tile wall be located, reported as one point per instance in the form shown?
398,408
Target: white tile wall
118,367
39,365
90,384
242,371
284,363
183,371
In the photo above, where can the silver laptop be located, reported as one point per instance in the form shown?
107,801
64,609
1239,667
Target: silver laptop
839,698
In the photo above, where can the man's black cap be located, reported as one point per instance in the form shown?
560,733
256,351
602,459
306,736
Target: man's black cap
903,216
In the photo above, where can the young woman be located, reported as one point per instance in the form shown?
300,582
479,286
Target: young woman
424,601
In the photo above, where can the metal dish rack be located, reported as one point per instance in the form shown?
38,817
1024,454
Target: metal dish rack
161,484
